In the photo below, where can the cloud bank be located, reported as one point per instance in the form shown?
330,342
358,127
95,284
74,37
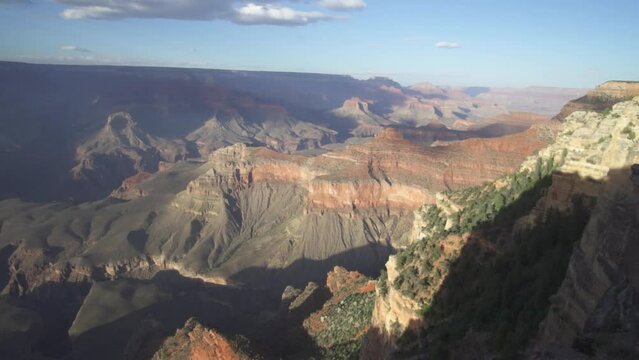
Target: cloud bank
270,12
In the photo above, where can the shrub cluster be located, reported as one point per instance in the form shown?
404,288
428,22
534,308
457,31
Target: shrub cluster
346,323
423,263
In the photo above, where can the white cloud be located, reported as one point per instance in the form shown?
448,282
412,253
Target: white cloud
447,45
238,11
343,4
93,12
166,9
74,48
278,15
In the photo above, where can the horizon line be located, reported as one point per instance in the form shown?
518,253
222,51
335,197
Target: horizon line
354,76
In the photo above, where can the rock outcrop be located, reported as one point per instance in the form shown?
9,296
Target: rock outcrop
121,150
126,191
196,342
601,98
258,125
593,154
366,122
338,326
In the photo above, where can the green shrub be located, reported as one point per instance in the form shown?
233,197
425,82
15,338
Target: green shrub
382,283
628,132
345,324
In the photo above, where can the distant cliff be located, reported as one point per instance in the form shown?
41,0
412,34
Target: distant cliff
55,119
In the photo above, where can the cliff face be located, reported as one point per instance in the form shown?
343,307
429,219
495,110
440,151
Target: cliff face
591,155
595,307
393,314
601,98
387,173
348,206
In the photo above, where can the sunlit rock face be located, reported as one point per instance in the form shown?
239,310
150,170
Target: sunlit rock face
595,155
197,342
600,282
602,97
388,172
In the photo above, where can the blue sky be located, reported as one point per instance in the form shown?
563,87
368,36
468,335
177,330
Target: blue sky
570,43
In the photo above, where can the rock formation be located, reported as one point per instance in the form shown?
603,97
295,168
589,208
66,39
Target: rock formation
337,322
196,342
167,114
259,124
591,154
246,216
601,98
121,150
367,123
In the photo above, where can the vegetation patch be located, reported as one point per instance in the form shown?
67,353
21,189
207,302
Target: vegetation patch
475,274
423,264
346,322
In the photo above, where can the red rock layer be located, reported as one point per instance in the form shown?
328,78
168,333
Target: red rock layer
128,190
388,173
196,342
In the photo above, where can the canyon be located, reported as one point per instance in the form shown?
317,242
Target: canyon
111,122
200,214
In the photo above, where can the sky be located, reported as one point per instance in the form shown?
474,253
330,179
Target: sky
514,43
